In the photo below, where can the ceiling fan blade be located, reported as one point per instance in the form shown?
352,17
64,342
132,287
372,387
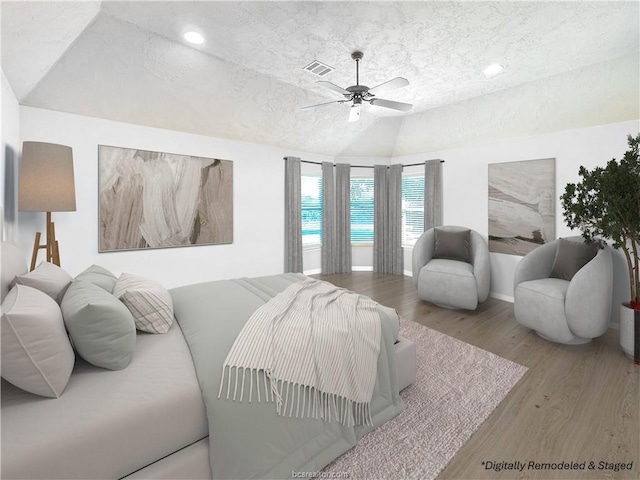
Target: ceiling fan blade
379,102
321,104
334,87
397,82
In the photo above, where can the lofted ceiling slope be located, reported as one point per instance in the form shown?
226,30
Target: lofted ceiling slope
127,61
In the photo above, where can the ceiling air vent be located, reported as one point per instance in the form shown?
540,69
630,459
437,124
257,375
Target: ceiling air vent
318,68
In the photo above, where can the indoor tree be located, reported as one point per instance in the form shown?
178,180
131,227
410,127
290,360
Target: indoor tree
605,205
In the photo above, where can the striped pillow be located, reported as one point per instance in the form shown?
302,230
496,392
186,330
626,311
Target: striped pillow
148,301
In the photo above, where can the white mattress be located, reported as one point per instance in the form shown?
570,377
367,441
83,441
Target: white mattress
106,424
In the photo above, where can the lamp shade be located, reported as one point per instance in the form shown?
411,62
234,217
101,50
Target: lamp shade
46,178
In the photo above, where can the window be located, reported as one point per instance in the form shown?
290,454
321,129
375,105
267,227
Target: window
362,209
311,196
412,208
361,196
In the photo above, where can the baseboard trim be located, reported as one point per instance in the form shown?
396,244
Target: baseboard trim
500,296
318,271
315,271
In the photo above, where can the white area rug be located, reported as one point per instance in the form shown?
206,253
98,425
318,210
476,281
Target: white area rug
456,389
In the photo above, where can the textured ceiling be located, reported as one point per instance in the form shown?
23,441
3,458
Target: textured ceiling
127,61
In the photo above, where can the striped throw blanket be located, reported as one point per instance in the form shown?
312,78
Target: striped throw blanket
317,346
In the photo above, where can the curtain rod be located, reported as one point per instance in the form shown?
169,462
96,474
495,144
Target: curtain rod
363,166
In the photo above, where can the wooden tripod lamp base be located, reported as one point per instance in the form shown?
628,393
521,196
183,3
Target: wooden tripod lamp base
51,245
46,185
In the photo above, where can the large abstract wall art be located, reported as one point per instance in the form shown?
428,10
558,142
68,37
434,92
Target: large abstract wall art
521,205
156,200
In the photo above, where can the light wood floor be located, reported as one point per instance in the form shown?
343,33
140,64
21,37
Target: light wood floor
575,403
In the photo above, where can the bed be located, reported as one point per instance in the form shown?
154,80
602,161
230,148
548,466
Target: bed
155,418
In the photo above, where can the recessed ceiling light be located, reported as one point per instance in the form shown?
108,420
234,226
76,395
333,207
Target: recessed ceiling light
194,37
492,70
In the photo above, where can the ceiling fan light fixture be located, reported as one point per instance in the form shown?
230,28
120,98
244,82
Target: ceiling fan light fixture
194,37
492,70
354,113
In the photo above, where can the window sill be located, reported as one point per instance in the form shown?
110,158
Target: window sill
312,248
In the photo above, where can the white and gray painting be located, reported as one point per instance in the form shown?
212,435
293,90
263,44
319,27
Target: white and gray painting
521,205
155,200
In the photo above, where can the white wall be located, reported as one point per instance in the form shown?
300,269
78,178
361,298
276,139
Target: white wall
11,148
465,178
258,245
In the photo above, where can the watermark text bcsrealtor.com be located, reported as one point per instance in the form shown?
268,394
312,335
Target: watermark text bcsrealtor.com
317,474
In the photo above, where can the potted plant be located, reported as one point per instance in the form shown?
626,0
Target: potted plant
605,205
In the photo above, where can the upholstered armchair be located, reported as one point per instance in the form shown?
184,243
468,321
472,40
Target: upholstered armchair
451,267
563,289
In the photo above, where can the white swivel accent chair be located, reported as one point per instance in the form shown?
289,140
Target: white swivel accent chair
563,290
451,267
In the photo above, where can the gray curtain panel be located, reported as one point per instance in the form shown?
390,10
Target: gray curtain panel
395,259
292,216
387,224
380,214
343,217
336,218
432,194
329,251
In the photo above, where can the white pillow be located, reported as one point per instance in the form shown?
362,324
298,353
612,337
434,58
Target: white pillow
100,326
48,278
36,353
148,301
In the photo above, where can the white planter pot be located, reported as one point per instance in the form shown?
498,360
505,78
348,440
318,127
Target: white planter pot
627,330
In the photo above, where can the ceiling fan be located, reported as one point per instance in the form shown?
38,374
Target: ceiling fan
357,93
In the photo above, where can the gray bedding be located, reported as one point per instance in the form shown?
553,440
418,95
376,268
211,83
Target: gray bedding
249,440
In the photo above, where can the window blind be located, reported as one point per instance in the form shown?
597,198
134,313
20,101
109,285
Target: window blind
311,193
361,210
362,191
412,208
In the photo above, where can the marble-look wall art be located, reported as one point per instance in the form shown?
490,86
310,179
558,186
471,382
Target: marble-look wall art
521,205
157,200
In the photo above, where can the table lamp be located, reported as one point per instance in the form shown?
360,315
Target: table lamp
46,185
